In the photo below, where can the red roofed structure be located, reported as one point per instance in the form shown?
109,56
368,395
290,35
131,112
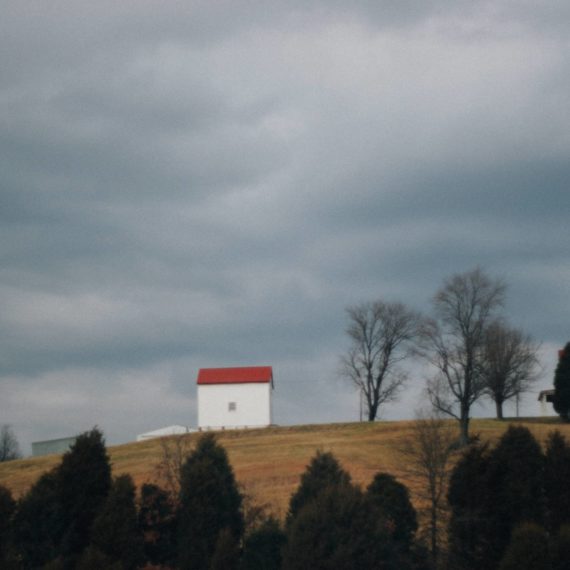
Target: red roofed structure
241,375
232,398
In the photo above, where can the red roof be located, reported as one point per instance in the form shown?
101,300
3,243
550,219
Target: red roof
242,375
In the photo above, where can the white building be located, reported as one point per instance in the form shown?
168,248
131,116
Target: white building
546,397
164,432
230,398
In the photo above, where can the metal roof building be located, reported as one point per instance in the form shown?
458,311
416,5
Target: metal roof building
231,398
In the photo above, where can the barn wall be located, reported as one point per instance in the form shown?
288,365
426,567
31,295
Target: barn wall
252,405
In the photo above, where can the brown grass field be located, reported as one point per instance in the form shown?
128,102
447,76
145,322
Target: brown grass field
268,462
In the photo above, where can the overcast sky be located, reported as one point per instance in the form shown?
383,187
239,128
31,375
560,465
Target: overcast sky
195,184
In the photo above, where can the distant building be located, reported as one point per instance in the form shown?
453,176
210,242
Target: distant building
231,398
164,432
545,397
51,446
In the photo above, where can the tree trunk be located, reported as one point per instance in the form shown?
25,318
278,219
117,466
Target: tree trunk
433,530
499,407
464,426
372,407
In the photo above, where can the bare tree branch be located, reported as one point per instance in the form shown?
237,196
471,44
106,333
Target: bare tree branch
382,336
510,364
428,453
175,450
9,448
453,342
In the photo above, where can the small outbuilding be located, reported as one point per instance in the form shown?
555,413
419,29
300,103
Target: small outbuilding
164,432
545,397
232,398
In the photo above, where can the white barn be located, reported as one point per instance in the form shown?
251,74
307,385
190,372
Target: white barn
230,398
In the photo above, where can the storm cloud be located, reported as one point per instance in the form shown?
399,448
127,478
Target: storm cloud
212,183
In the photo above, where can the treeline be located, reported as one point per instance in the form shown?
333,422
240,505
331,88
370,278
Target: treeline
78,517
509,507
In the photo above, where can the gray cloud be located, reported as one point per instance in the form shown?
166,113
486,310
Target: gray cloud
211,184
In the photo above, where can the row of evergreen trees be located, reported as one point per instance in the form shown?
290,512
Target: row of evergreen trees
502,497
509,508
78,517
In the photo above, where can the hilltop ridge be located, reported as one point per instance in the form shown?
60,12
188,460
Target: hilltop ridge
269,461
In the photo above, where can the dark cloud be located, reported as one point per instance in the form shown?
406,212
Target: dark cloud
212,184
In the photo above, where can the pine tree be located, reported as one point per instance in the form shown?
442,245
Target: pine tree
263,547
392,500
83,483
38,525
209,502
226,554
157,525
93,559
338,529
561,399
115,531
7,510
490,494
560,549
466,496
323,471
515,492
527,550
556,481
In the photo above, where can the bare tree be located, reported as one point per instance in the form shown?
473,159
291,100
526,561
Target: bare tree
382,335
428,453
175,450
9,448
510,364
453,342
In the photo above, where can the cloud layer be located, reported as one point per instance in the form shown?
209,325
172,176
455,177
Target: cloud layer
213,183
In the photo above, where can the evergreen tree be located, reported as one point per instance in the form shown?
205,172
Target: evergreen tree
58,564
263,547
560,549
561,399
7,510
556,481
157,524
392,501
323,471
527,550
209,502
339,529
514,490
38,524
466,496
226,554
83,483
115,532
93,559
492,493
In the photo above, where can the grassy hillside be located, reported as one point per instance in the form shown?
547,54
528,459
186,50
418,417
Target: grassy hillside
268,462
